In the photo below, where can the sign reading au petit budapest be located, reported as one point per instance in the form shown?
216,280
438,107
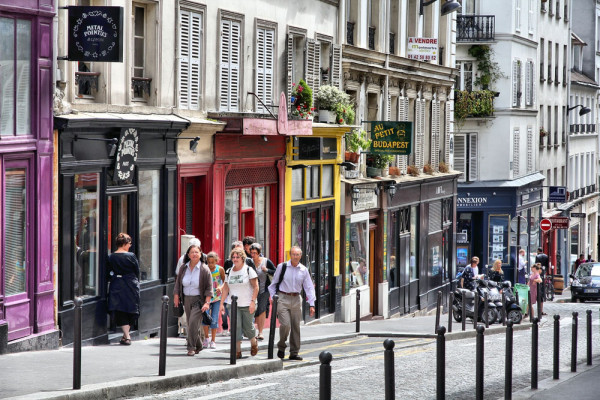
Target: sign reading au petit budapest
96,34
391,137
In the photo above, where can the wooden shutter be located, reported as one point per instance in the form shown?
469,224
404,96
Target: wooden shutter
516,140
447,133
264,66
529,149
460,156
190,50
403,103
473,167
389,107
336,66
532,83
290,65
316,80
528,79
309,63
515,87
420,142
229,69
435,134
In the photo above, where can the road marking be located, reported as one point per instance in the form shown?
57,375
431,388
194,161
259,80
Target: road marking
335,371
236,391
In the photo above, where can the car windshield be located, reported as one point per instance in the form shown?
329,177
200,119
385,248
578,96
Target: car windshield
587,270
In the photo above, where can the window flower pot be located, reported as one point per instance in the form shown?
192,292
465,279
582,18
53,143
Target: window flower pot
373,172
327,116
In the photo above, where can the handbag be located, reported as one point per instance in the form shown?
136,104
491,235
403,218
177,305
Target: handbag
206,318
178,311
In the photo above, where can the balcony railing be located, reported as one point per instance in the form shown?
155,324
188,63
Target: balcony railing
592,128
371,38
556,80
564,75
475,28
87,82
350,32
392,43
476,104
140,86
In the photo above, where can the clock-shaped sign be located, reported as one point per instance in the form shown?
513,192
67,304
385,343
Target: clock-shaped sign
96,34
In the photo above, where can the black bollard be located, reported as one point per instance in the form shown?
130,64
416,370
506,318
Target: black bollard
503,314
441,364
233,319
479,364
555,374
162,358
450,311
534,353
438,311
357,311
77,344
272,325
530,306
325,376
486,310
540,298
464,313
574,342
589,337
390,375
508,361
475,310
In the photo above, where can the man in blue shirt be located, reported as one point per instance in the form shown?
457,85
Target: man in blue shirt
289,307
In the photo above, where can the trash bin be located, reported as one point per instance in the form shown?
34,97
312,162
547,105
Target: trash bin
522,290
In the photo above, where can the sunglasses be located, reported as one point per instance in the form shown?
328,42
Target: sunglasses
235,257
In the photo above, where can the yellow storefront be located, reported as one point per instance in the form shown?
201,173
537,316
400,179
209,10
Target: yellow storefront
312,212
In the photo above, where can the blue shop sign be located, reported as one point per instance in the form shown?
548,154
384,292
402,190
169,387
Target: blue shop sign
95,34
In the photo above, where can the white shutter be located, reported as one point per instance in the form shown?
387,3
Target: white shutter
529,149
264,66
532,83
435,134
528,79
473,170
403,103
389,107
316,81
460,156
290,65
515,87
516,141
447,133
420,121
235,65
184,59
336,66
229,74
309,63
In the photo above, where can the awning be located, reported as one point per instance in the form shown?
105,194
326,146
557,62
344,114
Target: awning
84,119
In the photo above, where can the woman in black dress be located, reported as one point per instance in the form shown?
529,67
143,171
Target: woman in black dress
124,292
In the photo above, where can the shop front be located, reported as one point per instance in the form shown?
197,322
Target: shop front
497,219
116,173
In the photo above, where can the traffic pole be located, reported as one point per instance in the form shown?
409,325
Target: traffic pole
325,376
589,337
441,364
390,375
479,363
534,353
508,361
555,373
574,325
272,325
438,311
77,344
450,311
233,342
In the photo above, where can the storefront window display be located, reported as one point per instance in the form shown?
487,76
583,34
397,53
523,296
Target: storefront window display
246,214
15,229
149,203
574,242
498,238
359,250
86,231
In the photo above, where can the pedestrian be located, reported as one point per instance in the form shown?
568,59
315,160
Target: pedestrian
522,267
182,321
589,258
218,278
264,269
544,261
124,288
247,241
534,279
289,280
578,262
496,274
470,273
194,284
242,281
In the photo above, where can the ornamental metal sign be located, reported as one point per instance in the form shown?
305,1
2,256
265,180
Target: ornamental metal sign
391,137
126,155
95,34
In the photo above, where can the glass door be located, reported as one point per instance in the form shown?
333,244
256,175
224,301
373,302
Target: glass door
117,219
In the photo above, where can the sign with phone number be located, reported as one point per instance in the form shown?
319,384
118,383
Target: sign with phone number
422,49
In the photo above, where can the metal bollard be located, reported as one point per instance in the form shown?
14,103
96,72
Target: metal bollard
534,353
441,364
388,365
508,371
233,319
589,337
555,374
77,344
272,325
162,358
479,364
438,311
450,310
475,310
486,310
357,311
530,306
539,301
574,342
464,313
325,376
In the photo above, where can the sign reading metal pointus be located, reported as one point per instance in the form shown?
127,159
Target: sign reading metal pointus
95,34
391,137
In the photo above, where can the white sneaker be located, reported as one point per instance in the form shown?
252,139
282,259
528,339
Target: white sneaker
212,345
205,343
225,333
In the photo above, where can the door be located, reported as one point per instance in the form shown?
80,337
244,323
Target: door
17,266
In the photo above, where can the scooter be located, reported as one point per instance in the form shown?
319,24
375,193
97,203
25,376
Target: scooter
493,311
495,298
470,298
512,310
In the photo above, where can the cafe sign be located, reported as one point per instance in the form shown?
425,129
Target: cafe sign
95,34
126,154
391,137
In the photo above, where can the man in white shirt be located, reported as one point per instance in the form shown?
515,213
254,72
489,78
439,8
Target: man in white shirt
289,307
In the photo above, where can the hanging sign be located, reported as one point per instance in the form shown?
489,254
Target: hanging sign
391,137
422,49
95,34
126,154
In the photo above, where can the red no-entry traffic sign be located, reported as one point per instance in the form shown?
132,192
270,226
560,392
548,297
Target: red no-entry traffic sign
545,225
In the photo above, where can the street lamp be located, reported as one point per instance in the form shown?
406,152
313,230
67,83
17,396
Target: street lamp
584,110
448,7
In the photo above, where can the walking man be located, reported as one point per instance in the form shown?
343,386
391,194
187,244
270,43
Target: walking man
543,259
289,280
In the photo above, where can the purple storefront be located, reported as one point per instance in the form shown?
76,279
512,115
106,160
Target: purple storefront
26,157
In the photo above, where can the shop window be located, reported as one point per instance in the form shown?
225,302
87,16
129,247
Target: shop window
191,42
574,242
312,182
15,231
15,77
232,198
86,230
414,226
498,244
297,184
247,214
359,251
315,148
149,224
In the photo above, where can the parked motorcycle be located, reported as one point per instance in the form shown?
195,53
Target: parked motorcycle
470,298
513,311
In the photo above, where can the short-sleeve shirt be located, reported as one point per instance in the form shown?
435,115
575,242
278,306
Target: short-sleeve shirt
239,285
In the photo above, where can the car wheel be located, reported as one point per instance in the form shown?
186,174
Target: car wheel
515,316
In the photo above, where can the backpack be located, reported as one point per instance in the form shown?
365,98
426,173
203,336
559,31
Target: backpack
283,265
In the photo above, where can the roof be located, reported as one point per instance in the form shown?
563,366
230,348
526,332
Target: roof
515,183
581,78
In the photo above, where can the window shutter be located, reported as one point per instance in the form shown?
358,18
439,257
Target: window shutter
235,65
389,107
403,103
435,134
309,63
336,66
516,140
528,79
230,65
420,119
184,58
532,83
290,65
447,133
473,167
316,80
460,156
515,88
264,66
529,149
195,78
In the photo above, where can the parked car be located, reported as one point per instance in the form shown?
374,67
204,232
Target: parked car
586,282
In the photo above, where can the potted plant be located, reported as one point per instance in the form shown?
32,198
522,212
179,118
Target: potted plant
355,141
301,100
412,170
428,169
328,98
443,167
543,132
376,163
344,113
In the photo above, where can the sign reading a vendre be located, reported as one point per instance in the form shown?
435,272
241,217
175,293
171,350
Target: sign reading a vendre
422,49
96,34
391,137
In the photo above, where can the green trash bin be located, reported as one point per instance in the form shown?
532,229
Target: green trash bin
522,290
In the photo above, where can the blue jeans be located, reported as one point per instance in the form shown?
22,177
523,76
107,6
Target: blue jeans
214,313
